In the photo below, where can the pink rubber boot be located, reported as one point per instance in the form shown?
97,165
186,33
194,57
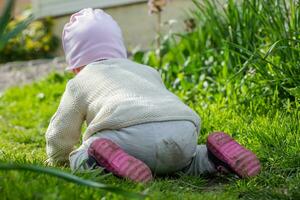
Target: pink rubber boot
110,156
226,153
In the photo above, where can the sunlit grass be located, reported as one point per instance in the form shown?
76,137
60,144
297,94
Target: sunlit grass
273,134
238,69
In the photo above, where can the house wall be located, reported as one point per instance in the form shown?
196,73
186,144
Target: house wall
139,28
55,8
20,5
1,5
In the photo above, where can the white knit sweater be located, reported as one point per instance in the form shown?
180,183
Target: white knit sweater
111,94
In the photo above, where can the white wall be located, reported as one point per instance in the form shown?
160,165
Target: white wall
53,8
137,25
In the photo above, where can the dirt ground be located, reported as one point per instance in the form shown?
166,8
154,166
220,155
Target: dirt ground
20,73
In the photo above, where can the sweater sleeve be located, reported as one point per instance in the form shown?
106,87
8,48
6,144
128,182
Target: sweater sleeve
64,129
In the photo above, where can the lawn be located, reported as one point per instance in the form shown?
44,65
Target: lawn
273,134
237,66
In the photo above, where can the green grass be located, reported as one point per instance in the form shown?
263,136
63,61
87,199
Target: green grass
272,133
238,68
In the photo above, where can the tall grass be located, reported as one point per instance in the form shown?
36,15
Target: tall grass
238,50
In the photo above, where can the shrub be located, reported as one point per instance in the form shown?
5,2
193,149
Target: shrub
235,52
36,41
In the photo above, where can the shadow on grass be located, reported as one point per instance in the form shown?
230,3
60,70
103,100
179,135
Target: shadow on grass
187,183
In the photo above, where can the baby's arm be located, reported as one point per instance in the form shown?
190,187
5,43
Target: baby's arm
64,129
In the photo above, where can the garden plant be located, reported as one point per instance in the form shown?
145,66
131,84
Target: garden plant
36,41
237,66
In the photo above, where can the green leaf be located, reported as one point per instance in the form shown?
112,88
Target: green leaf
4,19
21,26
71,178
271,49
294,91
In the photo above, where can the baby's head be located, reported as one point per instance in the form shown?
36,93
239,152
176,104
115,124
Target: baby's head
89,36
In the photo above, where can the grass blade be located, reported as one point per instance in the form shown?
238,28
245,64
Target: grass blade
6,15
70,177
21,26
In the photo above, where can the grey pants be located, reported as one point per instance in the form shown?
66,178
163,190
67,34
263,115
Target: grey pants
166,147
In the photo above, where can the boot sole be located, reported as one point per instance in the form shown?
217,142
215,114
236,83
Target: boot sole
240,160
110,156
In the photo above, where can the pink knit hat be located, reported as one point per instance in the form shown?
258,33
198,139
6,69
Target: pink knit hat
91,35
